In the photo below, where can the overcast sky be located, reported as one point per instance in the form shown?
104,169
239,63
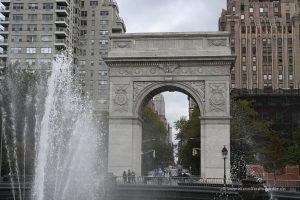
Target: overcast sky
171,16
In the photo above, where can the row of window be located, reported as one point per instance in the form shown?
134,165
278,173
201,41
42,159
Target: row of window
31,38
32,17
32,61
102,13
93,32
32,27
32,6
92,3
31,50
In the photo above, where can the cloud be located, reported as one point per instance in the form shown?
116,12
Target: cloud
171,15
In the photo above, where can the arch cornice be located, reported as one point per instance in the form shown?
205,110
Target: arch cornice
146,90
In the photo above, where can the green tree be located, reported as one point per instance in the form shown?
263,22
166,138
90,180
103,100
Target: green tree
189,138
248,136
293,150
154,139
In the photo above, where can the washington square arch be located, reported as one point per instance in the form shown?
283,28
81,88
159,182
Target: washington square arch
143,65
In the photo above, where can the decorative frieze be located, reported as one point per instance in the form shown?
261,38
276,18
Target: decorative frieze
217,42
168,69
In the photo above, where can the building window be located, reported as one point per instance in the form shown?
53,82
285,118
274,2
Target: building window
270,76
92,52
17,27
254,59
44,61
47,27
243,41
32,6
103,32
16,38
92,64
254,77
83,22
81,62
242,17
103,72
31,38
265,77
31,50
104,13
102,82
32,17
244,68
104,22
46,50
83,13
251,10
93,3
30,61
18,6
31,27
93,23
47,17
253,41
233,8
17,17
47,6
261,10
46,38
243,58
291,77
83,32
103,42
93,13
280,77
16,50
254,68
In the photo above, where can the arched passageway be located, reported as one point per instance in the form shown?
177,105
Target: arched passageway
142,65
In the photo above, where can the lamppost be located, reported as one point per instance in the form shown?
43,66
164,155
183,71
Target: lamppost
224,154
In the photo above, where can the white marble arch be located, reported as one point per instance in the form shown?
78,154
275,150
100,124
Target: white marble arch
145,64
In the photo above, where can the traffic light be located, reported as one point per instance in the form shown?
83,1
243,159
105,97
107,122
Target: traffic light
194,152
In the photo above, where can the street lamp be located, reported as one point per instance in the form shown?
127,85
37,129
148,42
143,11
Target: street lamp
224,154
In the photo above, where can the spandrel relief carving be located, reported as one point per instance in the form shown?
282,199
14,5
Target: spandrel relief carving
217,100
120,98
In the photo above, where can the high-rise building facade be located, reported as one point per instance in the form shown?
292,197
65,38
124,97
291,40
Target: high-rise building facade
265,38
33,31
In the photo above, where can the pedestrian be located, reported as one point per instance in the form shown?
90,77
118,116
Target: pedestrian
133,177
124,176
129,176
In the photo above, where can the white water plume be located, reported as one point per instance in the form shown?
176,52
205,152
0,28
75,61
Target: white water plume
68,162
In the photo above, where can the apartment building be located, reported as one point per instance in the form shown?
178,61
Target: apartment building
265,38
33,31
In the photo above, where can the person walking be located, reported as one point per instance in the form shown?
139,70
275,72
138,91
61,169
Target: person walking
129,176
133,177
124,176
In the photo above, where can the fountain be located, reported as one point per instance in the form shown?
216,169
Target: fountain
67,138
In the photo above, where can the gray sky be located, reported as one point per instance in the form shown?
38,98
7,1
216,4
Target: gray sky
171,16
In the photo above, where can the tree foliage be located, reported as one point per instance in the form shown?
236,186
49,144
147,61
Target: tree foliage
189,138
155,138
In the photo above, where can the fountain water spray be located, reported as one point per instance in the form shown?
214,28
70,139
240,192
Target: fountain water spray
68,161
